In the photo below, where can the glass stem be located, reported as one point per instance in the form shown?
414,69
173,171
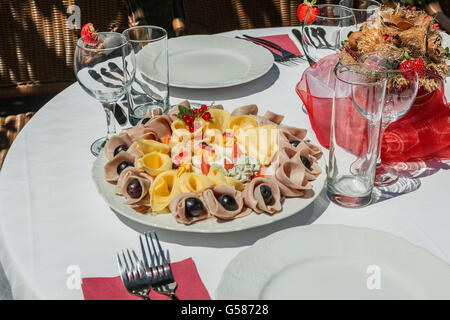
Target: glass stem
382,130
110,121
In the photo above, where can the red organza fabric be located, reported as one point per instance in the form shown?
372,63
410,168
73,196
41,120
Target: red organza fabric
422,134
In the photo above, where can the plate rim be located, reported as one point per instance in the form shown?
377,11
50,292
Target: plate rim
228,84
231,275
97,168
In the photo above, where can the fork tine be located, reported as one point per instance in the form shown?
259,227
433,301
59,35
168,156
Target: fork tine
123,273
139,266
133,267
144,255
157,256
161,252
152,258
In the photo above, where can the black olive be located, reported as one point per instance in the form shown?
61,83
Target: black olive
174,166
306,162
122,147
194,207
228,202
145,120
134,189
294,143
123,165
266,194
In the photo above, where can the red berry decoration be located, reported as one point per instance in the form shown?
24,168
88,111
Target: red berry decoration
302,11
419,66
206,116
408,67
195,111
203,107
185,117
191,128
89,34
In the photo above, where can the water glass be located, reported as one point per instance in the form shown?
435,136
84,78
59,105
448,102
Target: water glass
323,32
355,130
150,88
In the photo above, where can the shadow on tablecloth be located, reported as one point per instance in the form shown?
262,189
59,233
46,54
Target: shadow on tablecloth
234,92
237,238
5,289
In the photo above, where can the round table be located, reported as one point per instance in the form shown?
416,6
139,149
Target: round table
55,227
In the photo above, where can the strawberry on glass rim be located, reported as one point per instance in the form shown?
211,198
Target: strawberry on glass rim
302,11
89,34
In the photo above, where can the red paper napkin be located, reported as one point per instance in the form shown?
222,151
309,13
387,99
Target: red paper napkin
190,286
283,41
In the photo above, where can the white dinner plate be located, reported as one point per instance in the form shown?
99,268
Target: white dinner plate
166,221
334,262
206,61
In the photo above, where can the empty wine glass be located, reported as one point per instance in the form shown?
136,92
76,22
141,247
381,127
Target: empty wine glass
105,71
401,91
326,30
362,9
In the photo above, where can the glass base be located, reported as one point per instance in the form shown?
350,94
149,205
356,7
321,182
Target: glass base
139,112
349,192
98,145
385,176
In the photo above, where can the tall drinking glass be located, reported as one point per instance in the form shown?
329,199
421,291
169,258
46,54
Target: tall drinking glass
150,88
362,9
355,128
323,32
105,71
401,91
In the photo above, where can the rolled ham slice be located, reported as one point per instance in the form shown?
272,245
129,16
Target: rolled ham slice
121,139
314,170
253,199
292,133
216,209
145,182
111,174
251,109
178,209
291,179
160,125
133,150
314,150
274,117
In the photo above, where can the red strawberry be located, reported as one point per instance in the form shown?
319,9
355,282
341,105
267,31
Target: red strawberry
419,66
413,65
302,11
89,34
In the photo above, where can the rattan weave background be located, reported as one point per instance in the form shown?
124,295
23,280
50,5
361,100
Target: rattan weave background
215,16
36,51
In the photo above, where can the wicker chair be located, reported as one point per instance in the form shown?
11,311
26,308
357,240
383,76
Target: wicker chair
207,17
36,55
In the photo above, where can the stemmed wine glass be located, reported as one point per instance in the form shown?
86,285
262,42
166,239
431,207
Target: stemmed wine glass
114,54
363,9
401,91
323,32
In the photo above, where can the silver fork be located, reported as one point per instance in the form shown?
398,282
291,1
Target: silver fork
133,275
159,267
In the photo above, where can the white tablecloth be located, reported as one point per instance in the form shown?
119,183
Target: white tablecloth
53,222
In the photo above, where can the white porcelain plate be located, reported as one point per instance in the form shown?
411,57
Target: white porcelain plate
206,61
334,262
166,221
